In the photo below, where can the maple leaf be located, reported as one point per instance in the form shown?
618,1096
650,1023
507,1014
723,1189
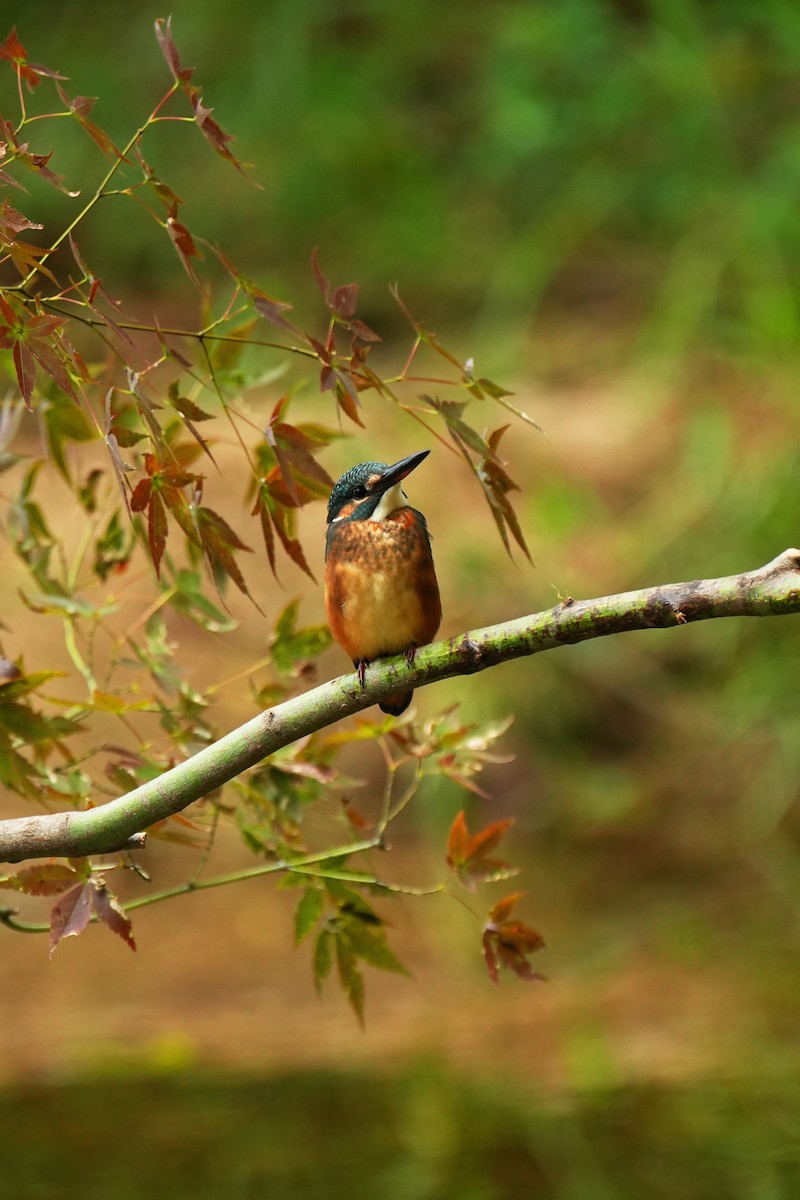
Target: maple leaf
36,162
462,434
508,943
145,498
24,255
180,74
359,936
261,509
71,915
156,529
107,909
44,341
290,646
96,289
365,933
183,242
35,339
272,310
25,366
345,300
468,855
490,471
13,51
362,332
496,484
274,512
219,542
80,107
347,395
74,910
342,301
187,408
343,376
308,912
164,192
13,222
191,413
141,495
351,978
43,879
354,936
324,286
292,447
159,492
323,958
210,129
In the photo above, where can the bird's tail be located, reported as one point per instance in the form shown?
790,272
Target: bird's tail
396,704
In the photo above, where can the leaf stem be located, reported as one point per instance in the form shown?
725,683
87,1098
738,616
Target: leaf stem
99,191
300,866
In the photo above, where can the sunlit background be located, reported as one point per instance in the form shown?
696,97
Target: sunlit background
597,200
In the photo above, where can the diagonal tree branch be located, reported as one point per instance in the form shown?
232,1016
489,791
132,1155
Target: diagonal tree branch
772,590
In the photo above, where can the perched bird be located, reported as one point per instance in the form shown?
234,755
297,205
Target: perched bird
381,594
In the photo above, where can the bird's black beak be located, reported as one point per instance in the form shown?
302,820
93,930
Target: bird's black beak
400,470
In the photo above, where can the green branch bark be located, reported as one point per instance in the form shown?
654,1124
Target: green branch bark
772,590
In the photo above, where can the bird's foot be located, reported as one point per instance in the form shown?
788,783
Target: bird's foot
361,666
411,653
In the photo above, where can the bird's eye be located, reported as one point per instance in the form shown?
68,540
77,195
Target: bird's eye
359,492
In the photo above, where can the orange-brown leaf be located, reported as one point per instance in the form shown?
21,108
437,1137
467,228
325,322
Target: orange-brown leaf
183,242
481,843
346,395
463,848
260,508
496,483
219,542
469,856
290,544
109,912
502,910
156,529
509,943
297,465
43,879
458,841
25,366
13,51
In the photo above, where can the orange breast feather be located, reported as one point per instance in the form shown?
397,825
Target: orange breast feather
381,593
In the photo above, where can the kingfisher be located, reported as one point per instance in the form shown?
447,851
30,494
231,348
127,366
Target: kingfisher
381,594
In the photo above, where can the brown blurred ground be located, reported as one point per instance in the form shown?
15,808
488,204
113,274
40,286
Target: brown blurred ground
216,982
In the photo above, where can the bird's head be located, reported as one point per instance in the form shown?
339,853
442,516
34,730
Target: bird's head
371,490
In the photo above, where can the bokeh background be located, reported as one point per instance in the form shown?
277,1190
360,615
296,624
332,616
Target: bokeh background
598,200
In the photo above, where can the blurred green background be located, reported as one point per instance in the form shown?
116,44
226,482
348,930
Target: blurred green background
598,199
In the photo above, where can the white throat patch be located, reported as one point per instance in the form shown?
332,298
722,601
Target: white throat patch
394,498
